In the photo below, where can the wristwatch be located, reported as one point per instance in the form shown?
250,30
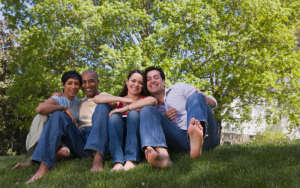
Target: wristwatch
63,108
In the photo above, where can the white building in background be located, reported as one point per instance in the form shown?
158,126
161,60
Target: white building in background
246,131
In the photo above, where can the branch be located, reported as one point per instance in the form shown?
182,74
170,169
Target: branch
113,42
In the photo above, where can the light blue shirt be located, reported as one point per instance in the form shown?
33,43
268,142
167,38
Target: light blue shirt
175,96
72,105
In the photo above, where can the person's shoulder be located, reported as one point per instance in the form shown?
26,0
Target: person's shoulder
181,85
104,93
83,99
57,98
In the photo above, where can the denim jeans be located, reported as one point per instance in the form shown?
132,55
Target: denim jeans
124,138
157,131
59,128
98,137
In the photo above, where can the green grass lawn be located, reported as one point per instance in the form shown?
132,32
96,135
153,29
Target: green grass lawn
246,165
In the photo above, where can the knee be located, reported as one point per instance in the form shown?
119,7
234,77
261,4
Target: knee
146,110
195,97
133,114
57,115
54,119
102,109
102,106
113,120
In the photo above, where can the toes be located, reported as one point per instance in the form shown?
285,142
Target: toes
200,127
150,149
192,121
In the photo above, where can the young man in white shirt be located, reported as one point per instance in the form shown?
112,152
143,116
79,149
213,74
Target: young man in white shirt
183,120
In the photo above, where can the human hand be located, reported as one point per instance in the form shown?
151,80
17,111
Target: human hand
171,114
69,113
118,110
205,97
196,91
126,101
59,94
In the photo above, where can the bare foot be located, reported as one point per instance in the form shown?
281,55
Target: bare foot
43,170
129,165
117,167
98,163
61,154
156,159
195,132
21,165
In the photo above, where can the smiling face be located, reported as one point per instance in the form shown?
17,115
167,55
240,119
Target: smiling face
71,88
135,84
90,84
155,84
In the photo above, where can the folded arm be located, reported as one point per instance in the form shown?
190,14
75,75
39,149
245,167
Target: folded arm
48,107
113,101
136,105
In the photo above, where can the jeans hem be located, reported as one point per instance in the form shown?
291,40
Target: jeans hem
154,145
94,150
118,161
42,161
134,159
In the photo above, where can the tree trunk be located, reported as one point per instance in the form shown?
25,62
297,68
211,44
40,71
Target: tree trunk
219,123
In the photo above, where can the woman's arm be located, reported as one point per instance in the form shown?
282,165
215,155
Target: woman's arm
48,107
136,105
113,101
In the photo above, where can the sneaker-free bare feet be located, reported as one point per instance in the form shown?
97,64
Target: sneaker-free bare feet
43,170
98,163
129,165
195,132
160,160
21,165
117,167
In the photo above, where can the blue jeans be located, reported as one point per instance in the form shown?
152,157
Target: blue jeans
157,131
59,128
98,136
124,138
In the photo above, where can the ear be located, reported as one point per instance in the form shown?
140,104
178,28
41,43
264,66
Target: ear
97,82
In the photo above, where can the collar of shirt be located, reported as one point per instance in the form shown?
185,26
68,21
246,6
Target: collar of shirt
167,106
86,99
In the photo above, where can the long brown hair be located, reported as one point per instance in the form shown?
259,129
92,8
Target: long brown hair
124,91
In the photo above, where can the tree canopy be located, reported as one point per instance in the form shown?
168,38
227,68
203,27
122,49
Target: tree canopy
230,49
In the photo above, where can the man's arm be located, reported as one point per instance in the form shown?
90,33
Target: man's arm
212,102
209,100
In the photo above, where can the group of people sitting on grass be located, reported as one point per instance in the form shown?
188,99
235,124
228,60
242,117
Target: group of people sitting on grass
145,117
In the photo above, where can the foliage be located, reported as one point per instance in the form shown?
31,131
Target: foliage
230,49
243,165
7,117
271,134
